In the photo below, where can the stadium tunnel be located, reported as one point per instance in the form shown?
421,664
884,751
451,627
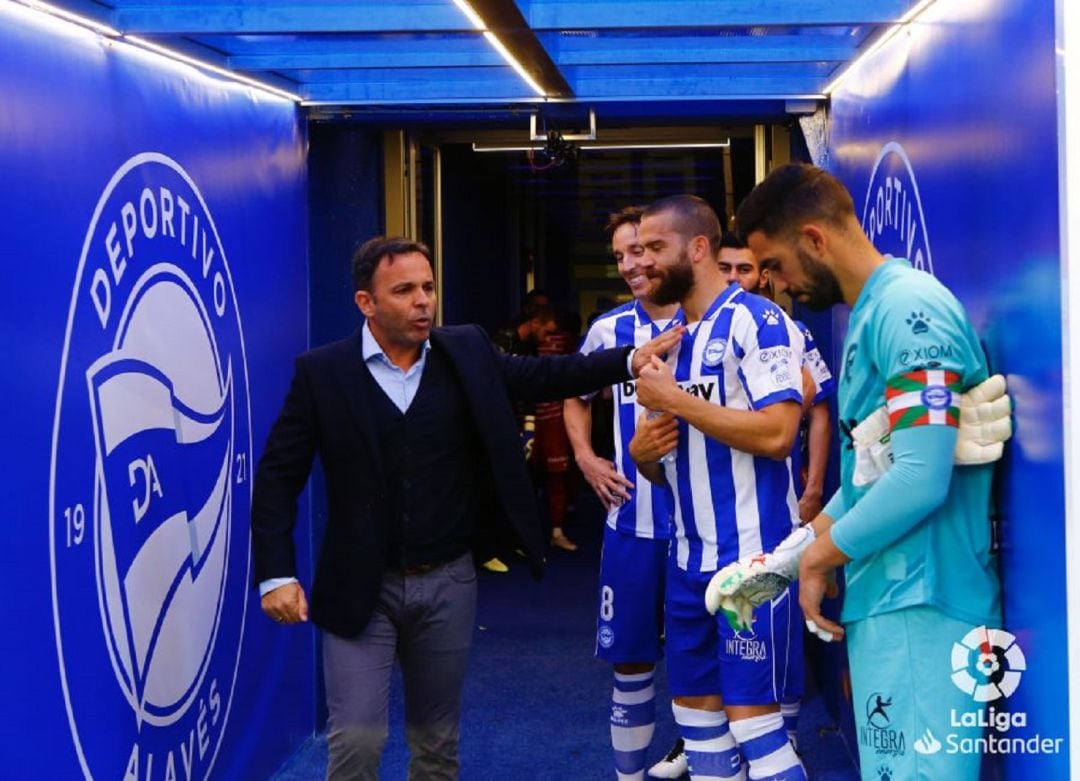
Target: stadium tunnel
252,145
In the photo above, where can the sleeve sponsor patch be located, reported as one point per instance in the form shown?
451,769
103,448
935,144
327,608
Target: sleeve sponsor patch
923,398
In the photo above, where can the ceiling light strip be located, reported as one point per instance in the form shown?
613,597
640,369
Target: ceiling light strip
68,16
913,13
478,147
511,60
87,23
204,65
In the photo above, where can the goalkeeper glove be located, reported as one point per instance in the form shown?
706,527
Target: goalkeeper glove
742,586
984,427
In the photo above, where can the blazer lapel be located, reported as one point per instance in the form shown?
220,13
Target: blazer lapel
356,386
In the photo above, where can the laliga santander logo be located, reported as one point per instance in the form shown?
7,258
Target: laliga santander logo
150,493
892,215
987,664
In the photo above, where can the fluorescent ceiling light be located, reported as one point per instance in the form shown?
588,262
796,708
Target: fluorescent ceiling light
913,14
73,18
175,55
477,147
102,29
473,17
511,60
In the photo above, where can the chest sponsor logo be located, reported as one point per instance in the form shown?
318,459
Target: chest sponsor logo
150,493
703,389
929,356
892,214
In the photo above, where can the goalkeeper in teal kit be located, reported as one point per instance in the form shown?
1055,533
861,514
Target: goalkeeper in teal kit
910,526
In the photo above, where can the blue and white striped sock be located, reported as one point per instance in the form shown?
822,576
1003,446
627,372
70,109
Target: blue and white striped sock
633,719
790,711
710,748
764,743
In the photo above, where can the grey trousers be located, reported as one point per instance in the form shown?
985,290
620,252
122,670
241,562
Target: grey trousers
425,622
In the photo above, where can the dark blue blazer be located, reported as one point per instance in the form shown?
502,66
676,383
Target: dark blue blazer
328,412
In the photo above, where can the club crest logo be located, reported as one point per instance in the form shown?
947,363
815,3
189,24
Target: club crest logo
892,214
714,351
150,491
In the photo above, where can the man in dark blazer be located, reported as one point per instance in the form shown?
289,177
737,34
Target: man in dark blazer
418,442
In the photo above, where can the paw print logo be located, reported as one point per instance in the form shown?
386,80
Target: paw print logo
919,323
771,316
884,773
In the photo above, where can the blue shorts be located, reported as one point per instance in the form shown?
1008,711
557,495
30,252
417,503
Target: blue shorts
630,613
758,666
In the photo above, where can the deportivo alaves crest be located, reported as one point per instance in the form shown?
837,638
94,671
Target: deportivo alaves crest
150,486
892,215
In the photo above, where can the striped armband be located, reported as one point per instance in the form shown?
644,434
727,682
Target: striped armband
923,398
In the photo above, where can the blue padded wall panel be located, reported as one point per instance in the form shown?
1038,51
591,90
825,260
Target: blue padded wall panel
154,236
947,140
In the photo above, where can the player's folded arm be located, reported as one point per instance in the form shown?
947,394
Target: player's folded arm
905,496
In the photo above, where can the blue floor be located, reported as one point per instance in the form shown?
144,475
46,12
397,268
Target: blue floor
536,701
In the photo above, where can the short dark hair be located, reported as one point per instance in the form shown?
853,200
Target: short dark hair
791,196
693,216
629,215
731,240
369,254
545,313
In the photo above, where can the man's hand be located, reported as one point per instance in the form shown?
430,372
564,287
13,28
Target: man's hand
610,487
286,604
656,386
816,582
654,437
657,347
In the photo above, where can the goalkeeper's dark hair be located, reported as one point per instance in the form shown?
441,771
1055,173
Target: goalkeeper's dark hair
790,197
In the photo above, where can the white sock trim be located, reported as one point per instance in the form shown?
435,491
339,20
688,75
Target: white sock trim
692,717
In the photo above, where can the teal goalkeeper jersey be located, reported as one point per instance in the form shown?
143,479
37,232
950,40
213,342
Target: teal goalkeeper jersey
909,342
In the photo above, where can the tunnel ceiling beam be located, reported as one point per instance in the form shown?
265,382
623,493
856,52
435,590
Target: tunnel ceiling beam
657,14
465,52
282,18
576,50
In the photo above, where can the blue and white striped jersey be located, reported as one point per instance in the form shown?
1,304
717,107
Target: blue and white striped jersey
824,382
744,354
648,513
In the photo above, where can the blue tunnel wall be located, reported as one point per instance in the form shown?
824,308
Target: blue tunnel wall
102,143
947,139
153,232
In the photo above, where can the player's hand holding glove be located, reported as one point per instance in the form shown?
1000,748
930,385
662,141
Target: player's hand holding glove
740,587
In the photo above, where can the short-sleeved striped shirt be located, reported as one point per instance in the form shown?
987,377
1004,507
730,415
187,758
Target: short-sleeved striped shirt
648,513
745,354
